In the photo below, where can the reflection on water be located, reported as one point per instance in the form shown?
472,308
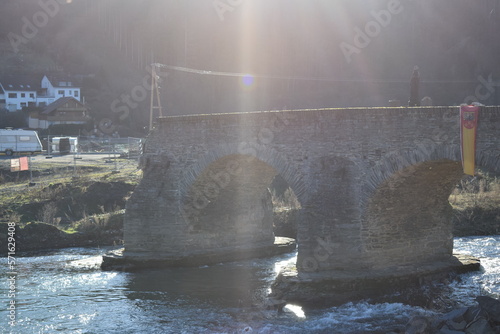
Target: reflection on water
224,285
65,291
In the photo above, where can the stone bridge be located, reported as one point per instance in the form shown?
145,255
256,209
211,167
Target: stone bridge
373,185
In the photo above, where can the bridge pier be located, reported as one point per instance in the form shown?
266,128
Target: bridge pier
402,239
226,215
329,233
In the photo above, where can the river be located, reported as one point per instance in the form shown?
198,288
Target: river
65,291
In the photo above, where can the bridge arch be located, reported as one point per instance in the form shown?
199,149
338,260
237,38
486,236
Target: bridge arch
283,166
404,161
225,198
406,214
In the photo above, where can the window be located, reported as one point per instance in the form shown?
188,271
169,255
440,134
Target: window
7,139
31,139
12,95
76,93
32,95
23,95
61,92
23,104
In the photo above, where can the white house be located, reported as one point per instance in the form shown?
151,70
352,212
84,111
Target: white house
54,87
18,92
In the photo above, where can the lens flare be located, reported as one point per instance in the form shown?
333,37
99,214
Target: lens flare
248,80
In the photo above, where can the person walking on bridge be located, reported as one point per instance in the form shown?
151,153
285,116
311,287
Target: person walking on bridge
414,88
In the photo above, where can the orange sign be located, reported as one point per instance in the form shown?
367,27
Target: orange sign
24,163
20,164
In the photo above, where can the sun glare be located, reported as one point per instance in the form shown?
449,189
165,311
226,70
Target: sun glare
248,80
295,309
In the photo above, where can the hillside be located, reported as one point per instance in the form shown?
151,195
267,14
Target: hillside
319,54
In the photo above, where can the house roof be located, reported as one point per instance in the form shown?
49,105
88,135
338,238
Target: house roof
62,80
60,102
19,83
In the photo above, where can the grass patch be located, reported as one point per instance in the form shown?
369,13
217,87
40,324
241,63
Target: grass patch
476,205
100,222
482,190
61,197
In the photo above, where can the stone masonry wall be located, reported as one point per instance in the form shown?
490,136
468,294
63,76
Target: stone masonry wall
339,163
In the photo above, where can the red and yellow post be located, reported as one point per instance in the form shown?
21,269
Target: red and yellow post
468,129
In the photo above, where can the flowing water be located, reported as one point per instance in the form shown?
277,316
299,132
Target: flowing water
64,291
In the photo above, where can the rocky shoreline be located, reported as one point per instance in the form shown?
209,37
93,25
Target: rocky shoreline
37,237
483,318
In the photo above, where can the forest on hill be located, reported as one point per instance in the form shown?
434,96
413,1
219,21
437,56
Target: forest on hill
295,53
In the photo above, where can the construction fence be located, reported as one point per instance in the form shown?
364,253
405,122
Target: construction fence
125,147
86,155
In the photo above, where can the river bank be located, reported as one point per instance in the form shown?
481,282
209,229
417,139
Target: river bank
35,236
63,203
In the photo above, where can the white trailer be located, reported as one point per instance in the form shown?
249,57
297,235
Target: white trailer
19,142
55,144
